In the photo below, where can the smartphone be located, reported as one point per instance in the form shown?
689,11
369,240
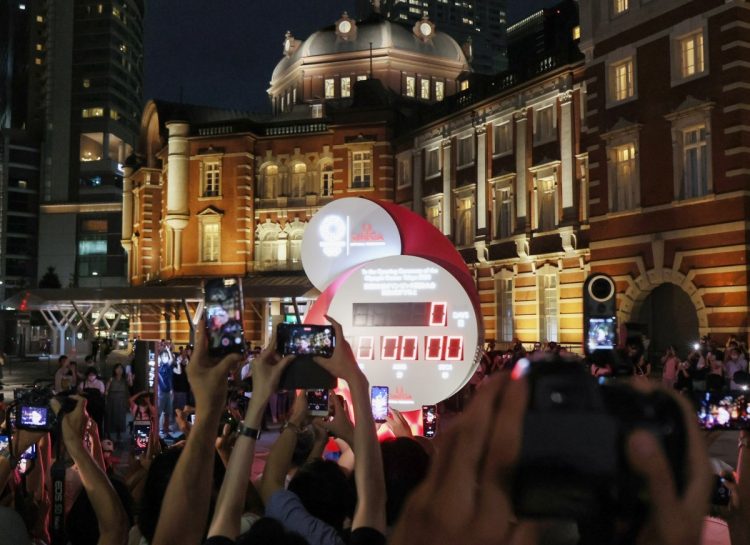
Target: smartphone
141,436
317,402
602,334
429,420
724,411
721,494
4,443
223,315
311,340
379,402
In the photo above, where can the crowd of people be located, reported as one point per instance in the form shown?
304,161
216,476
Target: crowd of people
454,489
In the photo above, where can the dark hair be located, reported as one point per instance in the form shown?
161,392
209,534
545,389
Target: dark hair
118,365
80,523
325,491
269,531
62,358
405,465
91,370
155,488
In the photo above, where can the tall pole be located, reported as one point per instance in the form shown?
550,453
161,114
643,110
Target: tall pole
370,60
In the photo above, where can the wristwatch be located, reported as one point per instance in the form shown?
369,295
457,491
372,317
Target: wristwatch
247,431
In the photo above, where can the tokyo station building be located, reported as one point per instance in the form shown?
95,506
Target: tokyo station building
618,145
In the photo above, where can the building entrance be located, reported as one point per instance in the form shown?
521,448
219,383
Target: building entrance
669,318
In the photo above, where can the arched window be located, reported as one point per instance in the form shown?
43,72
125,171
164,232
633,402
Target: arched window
299,180
326,180
270,188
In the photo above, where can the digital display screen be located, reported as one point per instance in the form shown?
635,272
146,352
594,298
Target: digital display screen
429,420
35,417
224,316
306,339
379,401
317,401
602,334
399,314
141,434
724,411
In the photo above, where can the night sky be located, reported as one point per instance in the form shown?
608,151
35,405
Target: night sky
222,52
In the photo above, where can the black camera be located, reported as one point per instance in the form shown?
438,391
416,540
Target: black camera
33,409
573,461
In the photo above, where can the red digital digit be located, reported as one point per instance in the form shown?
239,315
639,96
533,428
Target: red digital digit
434,348
438,314
408,348
454,348
365,348
389,348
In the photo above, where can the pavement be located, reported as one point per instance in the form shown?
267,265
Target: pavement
23,373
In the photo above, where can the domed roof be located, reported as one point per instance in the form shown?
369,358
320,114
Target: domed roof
383,34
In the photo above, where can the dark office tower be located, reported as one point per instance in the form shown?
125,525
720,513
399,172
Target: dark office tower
544,39
92,92
478,25
21,54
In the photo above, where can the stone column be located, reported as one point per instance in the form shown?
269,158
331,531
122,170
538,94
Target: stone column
447,193
521,122
178,211
481,178
126,234
417,181
566,150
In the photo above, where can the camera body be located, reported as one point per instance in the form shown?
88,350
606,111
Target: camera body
573,460
33,409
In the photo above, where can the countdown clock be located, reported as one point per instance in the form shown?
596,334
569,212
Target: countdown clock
412,320
412,327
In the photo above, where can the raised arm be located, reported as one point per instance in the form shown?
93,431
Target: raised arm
368,463
231,502
110,514
280,458
188,490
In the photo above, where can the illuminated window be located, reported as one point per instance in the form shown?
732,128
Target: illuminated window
330,88
465,221
464,85
361,169
692,55
620,6
92,112
439,90
424,89
547,202
432,163
39,47
346,87
114,114
91,147
316,111
433,214
404,172
211,179
548,304
299,180
37,61
210,240
361,78
86,83
100,9
502,139
465,151
270,182
544,124
411,86
622,86
326,180
116,11
624,182
504,303
577,32
695,162
39,19
503,212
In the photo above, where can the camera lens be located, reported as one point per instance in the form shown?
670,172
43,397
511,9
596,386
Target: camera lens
601,288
